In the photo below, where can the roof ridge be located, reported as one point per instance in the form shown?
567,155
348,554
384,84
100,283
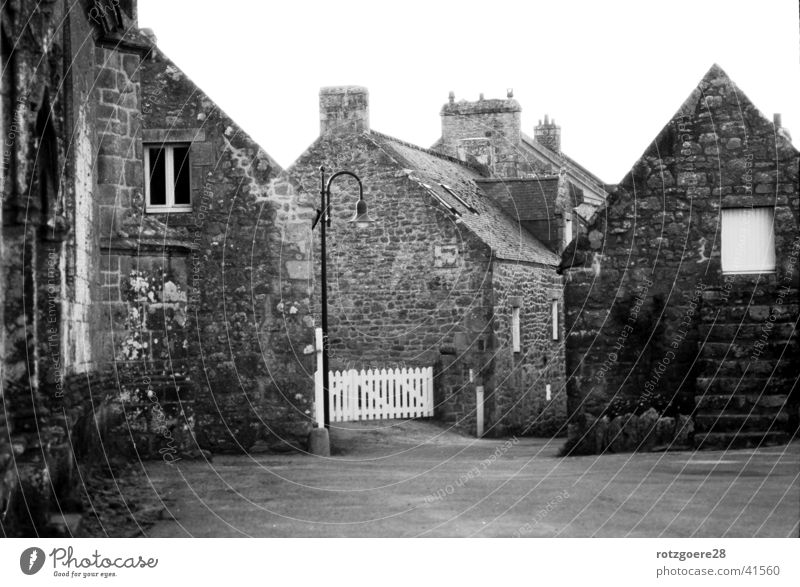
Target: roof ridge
589,175
537,177
473,167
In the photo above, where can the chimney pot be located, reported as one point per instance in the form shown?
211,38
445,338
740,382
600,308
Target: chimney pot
548,134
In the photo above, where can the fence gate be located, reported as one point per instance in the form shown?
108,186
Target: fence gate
378,394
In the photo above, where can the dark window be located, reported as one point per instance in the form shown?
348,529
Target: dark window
168,172
158,192
181,173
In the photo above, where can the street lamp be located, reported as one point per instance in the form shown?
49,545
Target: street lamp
361,219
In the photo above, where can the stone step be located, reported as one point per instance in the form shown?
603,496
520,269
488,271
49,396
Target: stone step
749,311
724,421
64,525
747,384
725,441
761,367
741,403
772,333
725,351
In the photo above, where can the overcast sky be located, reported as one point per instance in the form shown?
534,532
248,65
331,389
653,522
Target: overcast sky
612,73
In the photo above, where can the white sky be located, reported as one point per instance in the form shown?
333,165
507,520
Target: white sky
612,73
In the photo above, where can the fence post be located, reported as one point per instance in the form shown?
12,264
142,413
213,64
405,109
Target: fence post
479,410
318,397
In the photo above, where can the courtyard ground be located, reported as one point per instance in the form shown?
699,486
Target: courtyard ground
417,479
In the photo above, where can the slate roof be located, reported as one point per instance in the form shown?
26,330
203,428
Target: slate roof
502,233
526,199
530,199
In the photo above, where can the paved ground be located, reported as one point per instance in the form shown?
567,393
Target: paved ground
415,479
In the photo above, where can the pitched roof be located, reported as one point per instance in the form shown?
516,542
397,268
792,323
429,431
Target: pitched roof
530,199
526,199
455,185
578,171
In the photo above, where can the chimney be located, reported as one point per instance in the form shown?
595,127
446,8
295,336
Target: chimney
548,134
343,110
487,131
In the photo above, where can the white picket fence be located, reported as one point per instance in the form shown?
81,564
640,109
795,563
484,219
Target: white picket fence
380,394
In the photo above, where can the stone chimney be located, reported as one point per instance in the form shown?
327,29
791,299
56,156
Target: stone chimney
548,134
343,110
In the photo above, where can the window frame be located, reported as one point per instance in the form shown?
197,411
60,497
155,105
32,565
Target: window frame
169,172
554,311
516,330
762,271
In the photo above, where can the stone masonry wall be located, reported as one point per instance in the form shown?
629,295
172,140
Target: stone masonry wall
637,281
520,404
249,295
119,166
48,253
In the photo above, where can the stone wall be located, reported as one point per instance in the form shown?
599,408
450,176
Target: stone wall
410,283
636,283
47,255
520,404
119,169
36,240
249,295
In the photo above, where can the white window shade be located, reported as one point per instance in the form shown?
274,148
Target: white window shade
554,311
515,330
748,240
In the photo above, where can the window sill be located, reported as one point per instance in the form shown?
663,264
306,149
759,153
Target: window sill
754,272
167,209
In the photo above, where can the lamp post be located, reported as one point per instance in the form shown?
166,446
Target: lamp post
360,218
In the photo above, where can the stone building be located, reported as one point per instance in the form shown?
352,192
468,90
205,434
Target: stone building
489,132
49,243
544,190
683,294
147,245
244,334
443,277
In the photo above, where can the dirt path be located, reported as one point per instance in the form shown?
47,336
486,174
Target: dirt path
415,479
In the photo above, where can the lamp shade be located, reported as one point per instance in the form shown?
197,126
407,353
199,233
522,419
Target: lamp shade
361,218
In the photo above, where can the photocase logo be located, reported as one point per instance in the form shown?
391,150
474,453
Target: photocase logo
32,560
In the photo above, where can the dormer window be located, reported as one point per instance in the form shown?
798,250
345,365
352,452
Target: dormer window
167,178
